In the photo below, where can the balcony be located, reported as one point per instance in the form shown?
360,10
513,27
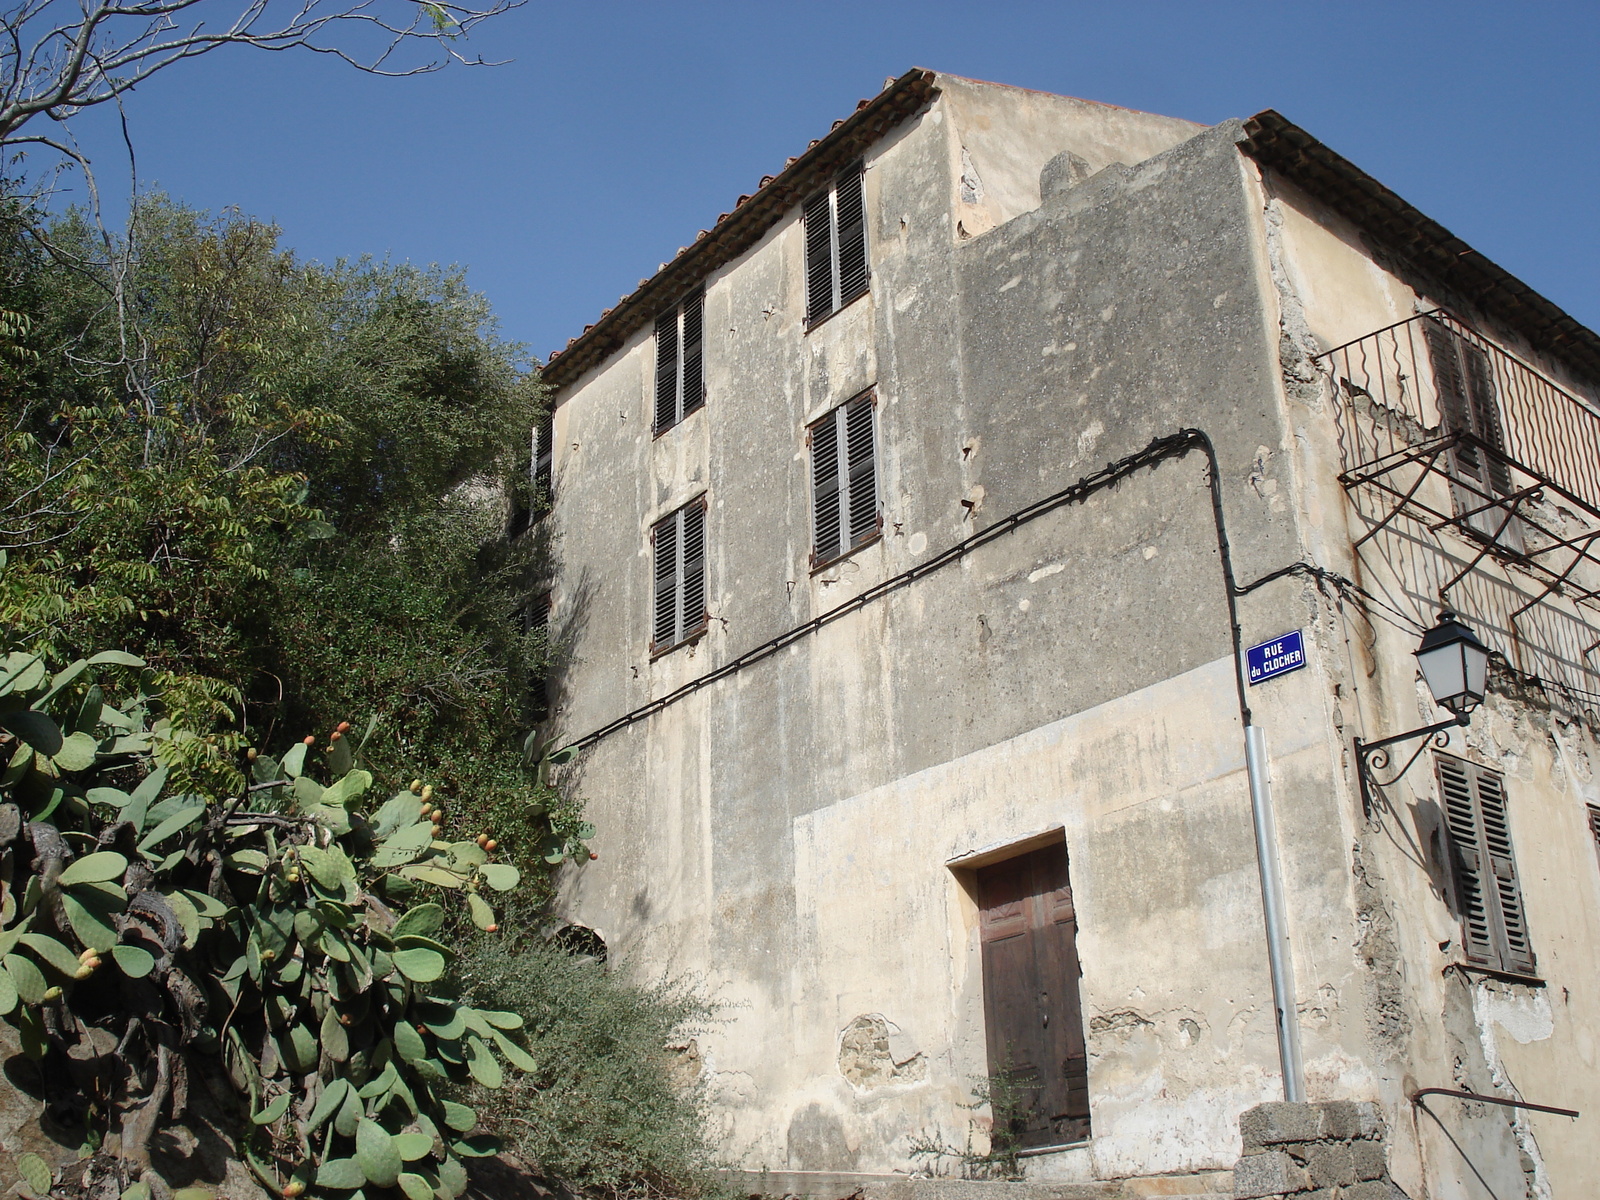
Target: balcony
1478,480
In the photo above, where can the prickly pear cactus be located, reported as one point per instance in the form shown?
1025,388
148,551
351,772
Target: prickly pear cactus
279,940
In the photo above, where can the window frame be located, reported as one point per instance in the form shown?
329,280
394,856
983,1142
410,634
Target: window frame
539,464
684,400
839,418
1477,828
684,633
825,202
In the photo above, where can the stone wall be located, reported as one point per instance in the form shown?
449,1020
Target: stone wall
1338,1150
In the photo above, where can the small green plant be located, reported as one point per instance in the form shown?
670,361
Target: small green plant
1009,1095
616,1107
148,937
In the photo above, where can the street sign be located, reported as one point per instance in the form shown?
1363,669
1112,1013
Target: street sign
1281,655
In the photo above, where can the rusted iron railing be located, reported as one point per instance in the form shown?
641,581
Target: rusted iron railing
1390,382
1441,428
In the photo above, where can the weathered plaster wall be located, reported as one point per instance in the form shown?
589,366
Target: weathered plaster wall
1002,137
1429,1027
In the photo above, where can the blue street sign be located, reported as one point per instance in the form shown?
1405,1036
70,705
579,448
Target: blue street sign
1277,657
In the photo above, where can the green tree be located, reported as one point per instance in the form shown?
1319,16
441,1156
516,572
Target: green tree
282,484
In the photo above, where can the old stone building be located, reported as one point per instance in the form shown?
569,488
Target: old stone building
915,525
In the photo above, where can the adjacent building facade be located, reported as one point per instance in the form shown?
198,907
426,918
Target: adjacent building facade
913,524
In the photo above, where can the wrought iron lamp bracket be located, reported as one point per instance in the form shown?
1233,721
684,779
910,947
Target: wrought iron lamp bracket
1374,756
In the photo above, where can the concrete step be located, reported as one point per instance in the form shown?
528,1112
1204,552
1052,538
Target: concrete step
843,1185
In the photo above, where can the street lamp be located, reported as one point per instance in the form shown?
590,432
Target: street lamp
1455,666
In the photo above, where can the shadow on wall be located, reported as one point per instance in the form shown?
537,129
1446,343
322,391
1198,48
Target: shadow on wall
567,624
817,1141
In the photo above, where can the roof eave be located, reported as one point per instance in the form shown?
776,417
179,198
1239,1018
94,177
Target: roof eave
1417,240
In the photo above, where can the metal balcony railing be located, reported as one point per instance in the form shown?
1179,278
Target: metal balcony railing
1432,376
1442,429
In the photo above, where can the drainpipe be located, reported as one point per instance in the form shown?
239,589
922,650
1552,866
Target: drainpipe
1278,957
1279,961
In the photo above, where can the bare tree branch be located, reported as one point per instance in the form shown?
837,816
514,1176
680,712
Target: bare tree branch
60,56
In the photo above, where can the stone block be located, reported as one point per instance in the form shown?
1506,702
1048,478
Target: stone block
1279,1122
1374,1190
1370,1120
1271,1174
1189,1187
1339,1120
1330,1165
1370,1159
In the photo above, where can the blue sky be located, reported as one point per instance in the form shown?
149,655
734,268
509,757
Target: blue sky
620,129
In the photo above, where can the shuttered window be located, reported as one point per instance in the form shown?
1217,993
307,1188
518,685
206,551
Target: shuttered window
1468,405
844,479
680,378
532,621
679,603
1488,895
544,457
534,489
1594,825
836,245
1464,378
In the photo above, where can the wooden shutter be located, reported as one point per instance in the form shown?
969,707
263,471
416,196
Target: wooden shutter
1454,410
826,490
533,621
1594,824
1038,1061
1504,885
818,215
691,387
666,370
1484,410
1464,377
850,214
680,576
534,617
1488,895
544,458
680,374
522,500
836,245
665,621
844,480
692,607
862,467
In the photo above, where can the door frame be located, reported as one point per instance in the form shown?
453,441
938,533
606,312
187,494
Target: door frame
964,870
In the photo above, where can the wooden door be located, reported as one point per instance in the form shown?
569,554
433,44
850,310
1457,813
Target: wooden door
1038,1066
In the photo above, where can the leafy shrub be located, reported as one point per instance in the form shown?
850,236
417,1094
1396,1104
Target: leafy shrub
282,484
148,937
613,1107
